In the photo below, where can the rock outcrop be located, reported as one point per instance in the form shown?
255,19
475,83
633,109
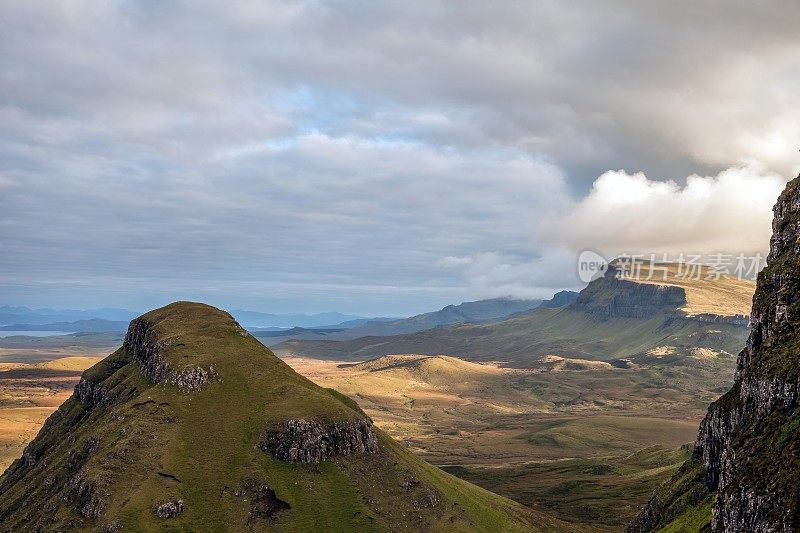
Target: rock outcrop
170,509
749,442
610,297
142,341
308,441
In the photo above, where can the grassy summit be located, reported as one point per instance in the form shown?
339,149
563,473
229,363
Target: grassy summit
706,291
178,431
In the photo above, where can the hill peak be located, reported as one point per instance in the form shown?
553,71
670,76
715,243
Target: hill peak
194,425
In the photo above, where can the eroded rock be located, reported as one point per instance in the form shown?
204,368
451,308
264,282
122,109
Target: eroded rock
142,341
308,441
169,509
264,503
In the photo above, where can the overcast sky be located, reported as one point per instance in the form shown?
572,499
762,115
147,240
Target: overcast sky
376,157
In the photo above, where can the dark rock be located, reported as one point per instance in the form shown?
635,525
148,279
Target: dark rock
91,393
610,297
264,503
304,441
86,493
112,527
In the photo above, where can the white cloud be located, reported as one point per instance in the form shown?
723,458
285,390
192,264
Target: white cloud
729,212
493,274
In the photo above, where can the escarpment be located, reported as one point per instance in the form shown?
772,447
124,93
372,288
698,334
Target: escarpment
748,446
610,297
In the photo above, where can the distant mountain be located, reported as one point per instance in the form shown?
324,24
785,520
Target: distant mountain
91,325
348,324
610,319
255,319
193,425
477,312
24,315
560,299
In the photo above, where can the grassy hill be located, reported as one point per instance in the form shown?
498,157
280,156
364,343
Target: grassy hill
193,425
521,341
583,440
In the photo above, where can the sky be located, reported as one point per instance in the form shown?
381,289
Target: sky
380,158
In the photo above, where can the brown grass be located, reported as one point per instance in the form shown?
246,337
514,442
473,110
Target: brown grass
29,392
726,296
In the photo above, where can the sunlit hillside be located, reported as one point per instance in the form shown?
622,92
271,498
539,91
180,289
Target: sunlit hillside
706,291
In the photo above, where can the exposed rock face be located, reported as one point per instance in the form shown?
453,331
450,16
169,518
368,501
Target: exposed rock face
734,320
613,297
91,393
749,442
168,510
304,441
89,496
191,378
142,341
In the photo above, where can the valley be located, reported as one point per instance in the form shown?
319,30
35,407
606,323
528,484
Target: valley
585,443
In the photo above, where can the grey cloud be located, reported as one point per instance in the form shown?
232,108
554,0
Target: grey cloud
305,146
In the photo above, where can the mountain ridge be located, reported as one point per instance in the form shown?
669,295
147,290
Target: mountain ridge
610,318
474,312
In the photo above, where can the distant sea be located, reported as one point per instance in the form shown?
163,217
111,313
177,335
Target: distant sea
34,333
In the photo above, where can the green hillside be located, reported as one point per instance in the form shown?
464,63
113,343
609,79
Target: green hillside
193,425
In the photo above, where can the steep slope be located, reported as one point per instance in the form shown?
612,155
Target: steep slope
611,319
744,474
193,425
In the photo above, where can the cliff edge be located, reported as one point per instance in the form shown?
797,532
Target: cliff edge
744,474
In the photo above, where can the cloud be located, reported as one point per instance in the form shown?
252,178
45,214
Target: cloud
729,212
493,274
305,146
318,218
629,213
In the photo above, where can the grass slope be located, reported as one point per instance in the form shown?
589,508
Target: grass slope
154,444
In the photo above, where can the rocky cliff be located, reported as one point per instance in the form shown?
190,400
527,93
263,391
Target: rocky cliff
612,297
746,461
